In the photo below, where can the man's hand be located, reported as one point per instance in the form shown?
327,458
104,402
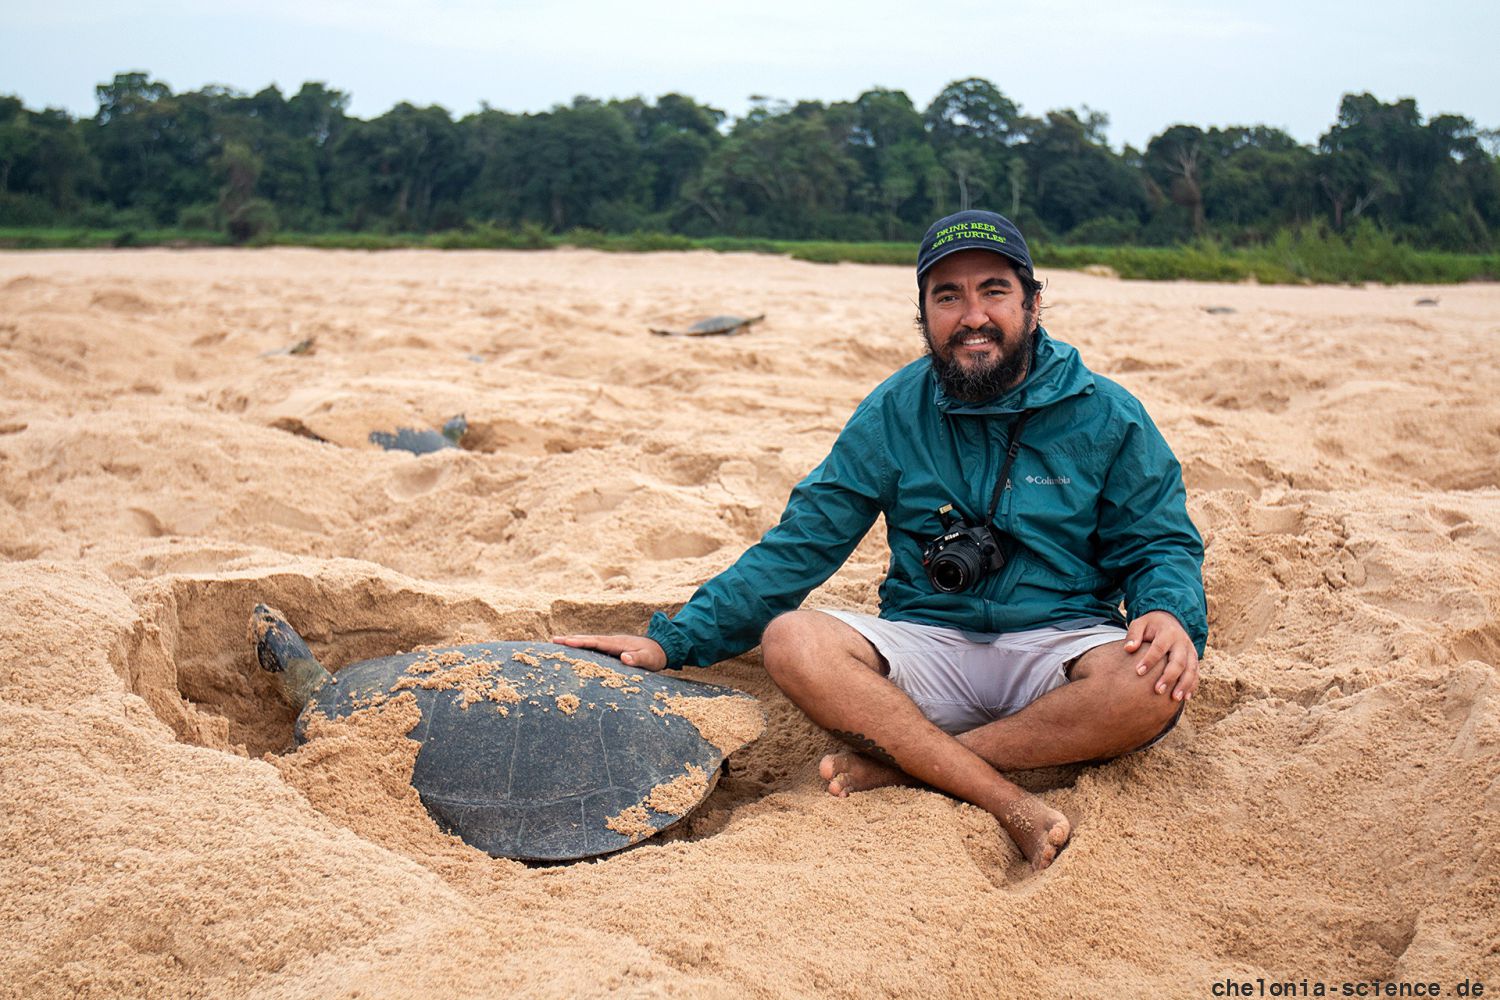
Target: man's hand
1170,649
633,650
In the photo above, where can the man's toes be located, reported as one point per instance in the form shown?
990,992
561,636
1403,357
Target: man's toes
834,768
1052,844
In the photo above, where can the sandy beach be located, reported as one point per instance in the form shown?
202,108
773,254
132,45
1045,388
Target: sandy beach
1328,811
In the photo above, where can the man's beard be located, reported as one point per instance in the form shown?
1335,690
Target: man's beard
981,382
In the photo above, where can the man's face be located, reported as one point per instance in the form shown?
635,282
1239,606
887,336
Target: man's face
978,332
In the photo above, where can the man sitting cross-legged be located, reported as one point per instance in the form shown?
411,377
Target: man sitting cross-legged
1026,501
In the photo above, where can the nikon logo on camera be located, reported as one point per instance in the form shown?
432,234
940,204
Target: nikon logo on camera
1049,480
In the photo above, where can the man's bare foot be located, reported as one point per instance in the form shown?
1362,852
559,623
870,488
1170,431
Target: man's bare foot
1038,830
853,772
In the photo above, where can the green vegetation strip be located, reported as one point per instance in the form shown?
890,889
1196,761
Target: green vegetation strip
1307,257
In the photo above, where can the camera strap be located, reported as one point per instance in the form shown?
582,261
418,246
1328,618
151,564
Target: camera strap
1003,483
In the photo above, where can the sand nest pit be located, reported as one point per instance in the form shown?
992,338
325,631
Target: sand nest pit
1324,811
194,665
444,701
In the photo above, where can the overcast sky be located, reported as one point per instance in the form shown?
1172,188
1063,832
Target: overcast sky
1147,64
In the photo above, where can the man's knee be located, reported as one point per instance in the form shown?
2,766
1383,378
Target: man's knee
800,640
785,641
1133,697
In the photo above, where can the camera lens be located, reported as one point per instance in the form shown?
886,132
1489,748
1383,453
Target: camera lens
953,570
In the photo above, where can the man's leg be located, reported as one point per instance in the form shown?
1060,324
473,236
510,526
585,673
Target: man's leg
1104,710
833,674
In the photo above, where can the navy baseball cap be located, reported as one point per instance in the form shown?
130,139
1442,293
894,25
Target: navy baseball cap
972,230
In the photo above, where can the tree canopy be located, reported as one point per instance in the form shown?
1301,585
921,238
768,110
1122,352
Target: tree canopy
874,168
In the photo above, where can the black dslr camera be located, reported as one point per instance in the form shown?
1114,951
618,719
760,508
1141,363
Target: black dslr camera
962,555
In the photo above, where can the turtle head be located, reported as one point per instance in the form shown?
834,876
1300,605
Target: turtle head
455,429
281,651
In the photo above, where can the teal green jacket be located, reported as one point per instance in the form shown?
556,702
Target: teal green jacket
1096,514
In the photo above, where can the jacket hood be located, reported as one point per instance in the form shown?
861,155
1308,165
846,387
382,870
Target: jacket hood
1057,372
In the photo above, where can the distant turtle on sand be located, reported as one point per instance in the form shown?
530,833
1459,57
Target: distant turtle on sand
714,326
532,750
423,442
307,345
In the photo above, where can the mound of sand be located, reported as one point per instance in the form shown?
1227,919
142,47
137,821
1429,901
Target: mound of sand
1326,812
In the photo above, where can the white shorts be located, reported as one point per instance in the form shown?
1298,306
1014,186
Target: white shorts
963,680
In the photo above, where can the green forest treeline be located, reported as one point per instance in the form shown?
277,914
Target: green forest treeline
873,169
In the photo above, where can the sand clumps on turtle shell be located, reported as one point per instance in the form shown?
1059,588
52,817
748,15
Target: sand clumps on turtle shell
670,798
476,678
726,722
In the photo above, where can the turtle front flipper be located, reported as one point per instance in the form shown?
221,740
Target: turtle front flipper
282,652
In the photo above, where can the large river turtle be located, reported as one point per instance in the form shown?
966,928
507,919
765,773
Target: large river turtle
714,326
533,750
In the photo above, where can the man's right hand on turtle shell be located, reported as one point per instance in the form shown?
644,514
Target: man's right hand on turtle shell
633,650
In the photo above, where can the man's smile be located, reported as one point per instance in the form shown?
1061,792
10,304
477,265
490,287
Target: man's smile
976,345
